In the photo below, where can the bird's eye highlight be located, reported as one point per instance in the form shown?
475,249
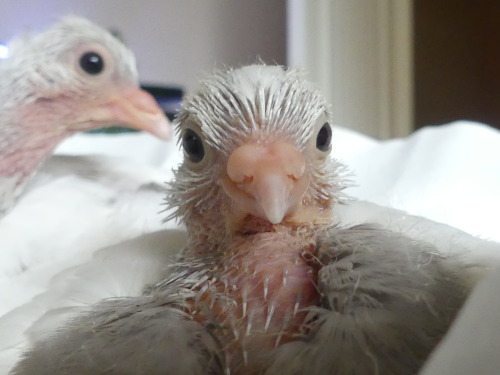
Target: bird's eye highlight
193,146
324,137
92,63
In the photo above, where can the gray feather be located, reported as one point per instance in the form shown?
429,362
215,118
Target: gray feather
143,335
387,300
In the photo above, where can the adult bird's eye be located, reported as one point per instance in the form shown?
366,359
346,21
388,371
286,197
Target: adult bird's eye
324,138
193,146
92,63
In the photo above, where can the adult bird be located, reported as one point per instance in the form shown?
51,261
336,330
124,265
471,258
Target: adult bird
74,76
267,282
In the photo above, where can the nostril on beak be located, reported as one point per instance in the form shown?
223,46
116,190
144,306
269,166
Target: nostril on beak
241,164
271,176
246,180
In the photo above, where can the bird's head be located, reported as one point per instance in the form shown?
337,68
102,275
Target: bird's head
79,77
257,144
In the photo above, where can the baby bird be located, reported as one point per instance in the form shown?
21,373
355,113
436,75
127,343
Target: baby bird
74,76
267,283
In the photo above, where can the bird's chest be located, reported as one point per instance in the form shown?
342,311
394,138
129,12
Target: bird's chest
255,297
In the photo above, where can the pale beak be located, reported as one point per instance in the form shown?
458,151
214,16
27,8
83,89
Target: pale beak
136,108
267,181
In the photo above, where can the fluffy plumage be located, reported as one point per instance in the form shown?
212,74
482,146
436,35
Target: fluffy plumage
267,283
74,76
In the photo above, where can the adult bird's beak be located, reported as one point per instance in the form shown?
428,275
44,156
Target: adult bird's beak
136,108
266,180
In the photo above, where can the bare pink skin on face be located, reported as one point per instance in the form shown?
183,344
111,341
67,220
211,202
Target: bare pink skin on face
266,180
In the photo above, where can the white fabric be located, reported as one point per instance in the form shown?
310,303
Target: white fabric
450,174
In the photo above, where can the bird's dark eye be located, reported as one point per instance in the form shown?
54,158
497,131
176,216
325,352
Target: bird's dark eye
92,63
324,138
193,146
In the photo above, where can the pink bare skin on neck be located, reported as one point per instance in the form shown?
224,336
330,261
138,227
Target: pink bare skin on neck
261,285
30,141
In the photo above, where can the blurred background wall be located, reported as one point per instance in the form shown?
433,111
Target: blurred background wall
387,66
360,54
457,61
392,66
176,41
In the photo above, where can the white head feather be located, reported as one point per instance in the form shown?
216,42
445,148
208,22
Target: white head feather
44,64
258,103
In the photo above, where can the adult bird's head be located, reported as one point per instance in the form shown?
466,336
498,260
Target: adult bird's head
74,76
81,77
257,142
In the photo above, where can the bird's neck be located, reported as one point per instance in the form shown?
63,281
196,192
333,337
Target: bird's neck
206,232
262,284
221,235
19,163
25,143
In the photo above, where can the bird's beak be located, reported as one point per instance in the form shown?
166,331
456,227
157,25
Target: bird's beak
266,180
136,108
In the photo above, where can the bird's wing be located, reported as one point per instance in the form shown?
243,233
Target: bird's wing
480,255
155,337
116,271
386,300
